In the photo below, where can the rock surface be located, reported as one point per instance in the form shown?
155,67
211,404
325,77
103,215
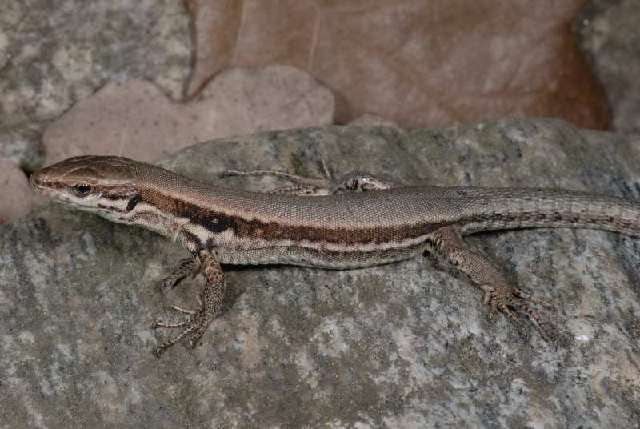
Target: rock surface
55,53
21,144
135,119
16,196
611,36
403,345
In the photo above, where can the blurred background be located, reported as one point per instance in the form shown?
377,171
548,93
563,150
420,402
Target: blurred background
144,79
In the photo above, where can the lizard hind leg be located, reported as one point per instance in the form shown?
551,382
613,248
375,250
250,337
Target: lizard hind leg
498,294
195,322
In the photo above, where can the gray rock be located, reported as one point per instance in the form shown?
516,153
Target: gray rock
22,145
403,345
53,53
610,35
17,196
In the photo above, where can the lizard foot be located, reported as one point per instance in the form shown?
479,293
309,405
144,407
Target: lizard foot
513,302
195,324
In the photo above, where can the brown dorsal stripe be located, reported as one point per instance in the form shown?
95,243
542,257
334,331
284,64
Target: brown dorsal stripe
254,228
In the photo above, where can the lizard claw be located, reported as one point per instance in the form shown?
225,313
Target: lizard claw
195,325
195,322
501,302
513,302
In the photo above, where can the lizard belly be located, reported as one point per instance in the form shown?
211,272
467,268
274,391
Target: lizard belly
316,256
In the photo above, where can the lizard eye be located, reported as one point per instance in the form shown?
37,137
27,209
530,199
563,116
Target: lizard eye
81,190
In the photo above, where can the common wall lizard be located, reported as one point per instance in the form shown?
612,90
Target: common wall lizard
362,222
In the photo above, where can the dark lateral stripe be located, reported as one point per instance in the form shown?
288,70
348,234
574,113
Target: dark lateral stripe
253,228
133,202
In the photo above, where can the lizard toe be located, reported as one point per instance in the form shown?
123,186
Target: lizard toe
195,325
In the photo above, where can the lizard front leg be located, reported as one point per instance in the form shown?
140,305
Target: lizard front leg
361,182
498,294
301,185
210,300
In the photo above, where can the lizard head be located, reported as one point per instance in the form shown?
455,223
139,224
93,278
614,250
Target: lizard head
101,184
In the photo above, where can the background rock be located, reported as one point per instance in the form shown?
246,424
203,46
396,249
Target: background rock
21,144
417,63
403,345
135,119
368,120
16,198
610,34
55,53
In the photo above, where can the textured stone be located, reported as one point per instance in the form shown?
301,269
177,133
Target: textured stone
53,53
402,345
16,196
368,120
611,36
21,144
137,120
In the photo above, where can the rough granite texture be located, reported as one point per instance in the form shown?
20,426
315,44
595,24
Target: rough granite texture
399,346
54,53
21,144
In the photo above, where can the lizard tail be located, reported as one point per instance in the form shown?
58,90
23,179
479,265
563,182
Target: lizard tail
533,208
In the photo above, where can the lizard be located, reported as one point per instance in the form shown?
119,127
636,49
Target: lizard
361,221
